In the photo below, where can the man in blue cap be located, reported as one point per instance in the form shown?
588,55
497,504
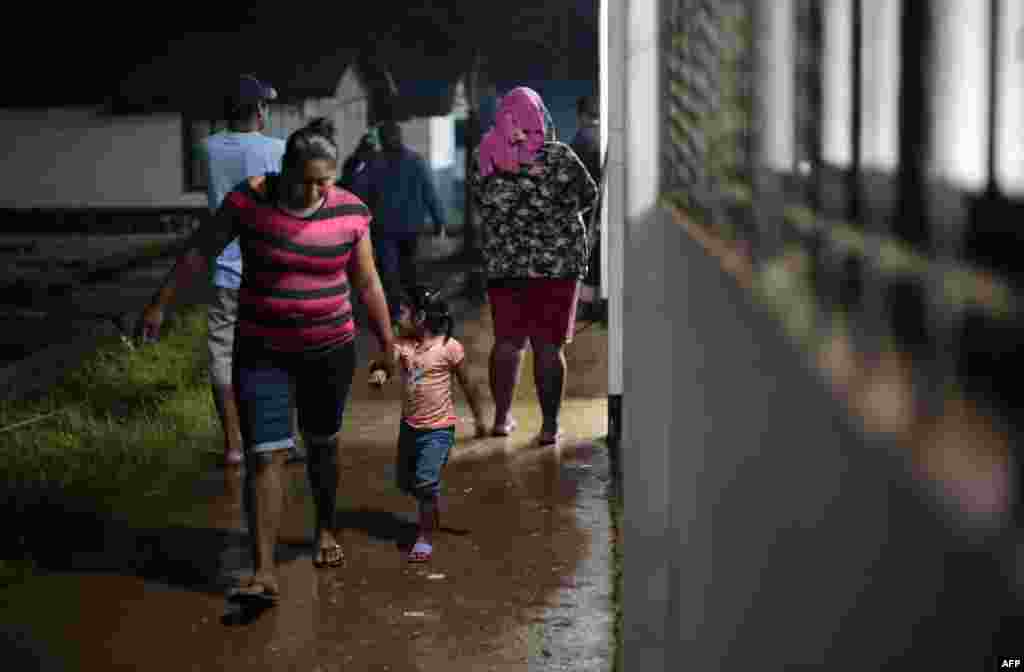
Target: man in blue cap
230,157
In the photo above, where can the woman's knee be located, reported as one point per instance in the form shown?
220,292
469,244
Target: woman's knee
260,460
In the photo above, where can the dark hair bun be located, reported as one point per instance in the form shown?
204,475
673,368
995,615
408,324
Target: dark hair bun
322,126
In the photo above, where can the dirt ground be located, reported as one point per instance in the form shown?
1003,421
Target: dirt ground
521,568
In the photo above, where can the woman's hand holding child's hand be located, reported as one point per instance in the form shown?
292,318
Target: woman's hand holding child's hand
378,374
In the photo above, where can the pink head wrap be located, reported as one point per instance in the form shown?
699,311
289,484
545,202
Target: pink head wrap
520,109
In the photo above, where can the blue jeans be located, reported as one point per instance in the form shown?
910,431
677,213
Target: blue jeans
422,453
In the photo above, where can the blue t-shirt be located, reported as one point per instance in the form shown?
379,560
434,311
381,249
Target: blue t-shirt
232,158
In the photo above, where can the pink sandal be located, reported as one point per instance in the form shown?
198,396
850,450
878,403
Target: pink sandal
421,552
505,429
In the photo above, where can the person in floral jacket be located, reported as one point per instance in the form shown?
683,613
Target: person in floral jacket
531,193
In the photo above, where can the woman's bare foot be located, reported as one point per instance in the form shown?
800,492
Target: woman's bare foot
549,436
261,586
422,551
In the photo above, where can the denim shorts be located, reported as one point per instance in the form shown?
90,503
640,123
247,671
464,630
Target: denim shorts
265,380
422,453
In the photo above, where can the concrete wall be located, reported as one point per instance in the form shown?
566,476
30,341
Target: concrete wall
354,106
79,158
641,313
790,539
763,531
82,158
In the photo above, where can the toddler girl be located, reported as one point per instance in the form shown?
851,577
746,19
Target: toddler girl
427,356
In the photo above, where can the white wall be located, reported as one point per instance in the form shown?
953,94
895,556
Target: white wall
416,135
284,119
78,158
353,111
441,132
640,325
81,158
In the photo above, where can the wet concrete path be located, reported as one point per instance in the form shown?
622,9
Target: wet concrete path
520,577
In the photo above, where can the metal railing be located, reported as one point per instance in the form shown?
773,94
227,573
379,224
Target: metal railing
903,259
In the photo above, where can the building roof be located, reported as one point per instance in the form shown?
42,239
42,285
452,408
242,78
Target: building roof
419,50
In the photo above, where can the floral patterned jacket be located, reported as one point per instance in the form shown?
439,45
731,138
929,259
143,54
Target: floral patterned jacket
534,219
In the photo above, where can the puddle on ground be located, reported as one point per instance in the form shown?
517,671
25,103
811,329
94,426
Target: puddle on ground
154,599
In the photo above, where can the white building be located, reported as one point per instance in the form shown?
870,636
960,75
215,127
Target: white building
85,159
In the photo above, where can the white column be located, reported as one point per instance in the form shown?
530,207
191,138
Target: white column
1010,111
880,84
605,81
779,129
442,141
960,81
837,98
636,265
613,59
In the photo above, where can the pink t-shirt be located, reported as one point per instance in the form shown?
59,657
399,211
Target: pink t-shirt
295,288
426,372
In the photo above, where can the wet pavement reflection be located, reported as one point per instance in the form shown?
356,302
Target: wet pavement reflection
510,541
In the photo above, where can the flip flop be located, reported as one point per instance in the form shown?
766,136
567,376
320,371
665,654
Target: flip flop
421,552
255,592
504,430
327,551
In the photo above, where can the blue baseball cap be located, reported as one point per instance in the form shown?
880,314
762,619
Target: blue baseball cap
251,90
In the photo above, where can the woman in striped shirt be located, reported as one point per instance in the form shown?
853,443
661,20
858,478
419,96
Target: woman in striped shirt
302,239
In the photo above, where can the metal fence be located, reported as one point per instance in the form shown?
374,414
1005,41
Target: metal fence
815,129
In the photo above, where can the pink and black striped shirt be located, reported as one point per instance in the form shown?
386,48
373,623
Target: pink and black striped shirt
295,293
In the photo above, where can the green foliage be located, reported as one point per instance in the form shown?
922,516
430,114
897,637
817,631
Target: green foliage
127,421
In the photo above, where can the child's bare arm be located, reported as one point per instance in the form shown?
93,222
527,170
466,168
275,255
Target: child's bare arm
472,397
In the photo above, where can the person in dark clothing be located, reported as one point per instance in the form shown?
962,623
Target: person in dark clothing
587,145
353,171
400,193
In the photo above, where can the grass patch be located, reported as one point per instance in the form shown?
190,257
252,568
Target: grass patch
122,434
615,504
